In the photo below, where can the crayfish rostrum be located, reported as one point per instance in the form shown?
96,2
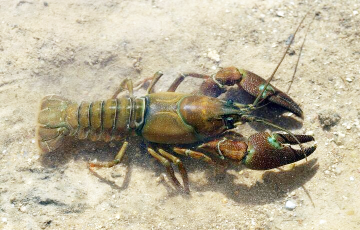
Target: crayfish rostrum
193,125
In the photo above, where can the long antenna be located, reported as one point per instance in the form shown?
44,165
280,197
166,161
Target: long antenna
287,49
301,48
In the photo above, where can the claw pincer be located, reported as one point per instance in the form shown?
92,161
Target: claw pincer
263,150
266,151
252,84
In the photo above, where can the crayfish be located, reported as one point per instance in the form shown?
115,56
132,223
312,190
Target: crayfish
194,125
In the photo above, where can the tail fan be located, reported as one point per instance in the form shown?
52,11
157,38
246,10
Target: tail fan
53,122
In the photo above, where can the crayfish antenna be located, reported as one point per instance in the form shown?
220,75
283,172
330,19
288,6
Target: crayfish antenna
301,48
260,97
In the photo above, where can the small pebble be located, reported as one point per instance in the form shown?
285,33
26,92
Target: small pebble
310,132
290,205
291,52
280,13
160,179
213,55
322,221
4,219
339,138
117,217
329,118
351,178
337,170
23,209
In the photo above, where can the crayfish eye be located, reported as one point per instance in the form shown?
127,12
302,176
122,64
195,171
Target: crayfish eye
229,122
229,102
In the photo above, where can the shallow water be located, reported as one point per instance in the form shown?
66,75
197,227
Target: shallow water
82,50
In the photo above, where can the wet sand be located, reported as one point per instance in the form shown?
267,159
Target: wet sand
82,50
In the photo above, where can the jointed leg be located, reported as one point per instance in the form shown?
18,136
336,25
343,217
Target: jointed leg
131,87
194,154
167,164
125,83
117,159
180,166
182,77
154,80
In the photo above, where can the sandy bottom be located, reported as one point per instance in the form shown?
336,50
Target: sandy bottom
82,50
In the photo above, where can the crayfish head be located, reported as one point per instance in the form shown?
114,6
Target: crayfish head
207,115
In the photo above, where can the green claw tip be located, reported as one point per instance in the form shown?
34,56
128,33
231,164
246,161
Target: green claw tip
274,143
248,159
268,88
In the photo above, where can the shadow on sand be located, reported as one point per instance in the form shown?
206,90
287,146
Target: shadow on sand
275,183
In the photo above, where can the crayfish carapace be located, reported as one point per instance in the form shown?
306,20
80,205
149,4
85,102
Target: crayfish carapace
201,122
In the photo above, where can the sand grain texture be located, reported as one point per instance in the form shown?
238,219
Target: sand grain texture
82,50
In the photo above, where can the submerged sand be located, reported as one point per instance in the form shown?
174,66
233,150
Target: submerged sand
82,50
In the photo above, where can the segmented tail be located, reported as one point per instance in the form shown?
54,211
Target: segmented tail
54,122
98,120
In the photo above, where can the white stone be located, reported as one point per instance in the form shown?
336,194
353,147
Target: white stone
213,55
280,13
310,132
322,221
290,205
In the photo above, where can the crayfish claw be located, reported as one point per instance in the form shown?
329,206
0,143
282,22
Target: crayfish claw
254,85
290,139
268,151
305,152
283,100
